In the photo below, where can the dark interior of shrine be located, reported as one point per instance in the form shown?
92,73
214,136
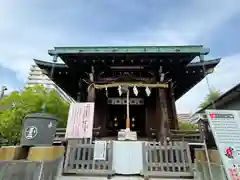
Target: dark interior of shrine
117,108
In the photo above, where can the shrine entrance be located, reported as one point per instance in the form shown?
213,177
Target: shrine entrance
117,115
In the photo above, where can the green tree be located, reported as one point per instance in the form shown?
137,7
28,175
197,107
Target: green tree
211,97
14,107
187,126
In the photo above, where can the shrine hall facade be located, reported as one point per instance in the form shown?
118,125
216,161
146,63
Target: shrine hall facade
155,76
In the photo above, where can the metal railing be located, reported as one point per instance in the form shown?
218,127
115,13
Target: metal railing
29,170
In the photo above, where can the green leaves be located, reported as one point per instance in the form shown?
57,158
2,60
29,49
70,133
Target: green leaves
211,97
187,126
17,105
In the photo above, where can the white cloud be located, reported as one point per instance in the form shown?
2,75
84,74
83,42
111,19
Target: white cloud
202,18
22,40
194,23
225,76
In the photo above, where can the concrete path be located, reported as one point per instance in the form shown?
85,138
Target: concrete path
60,177
113,178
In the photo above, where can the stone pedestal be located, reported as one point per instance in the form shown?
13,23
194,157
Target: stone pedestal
127,135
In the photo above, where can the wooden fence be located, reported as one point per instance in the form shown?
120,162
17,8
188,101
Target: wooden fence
166,160
80,159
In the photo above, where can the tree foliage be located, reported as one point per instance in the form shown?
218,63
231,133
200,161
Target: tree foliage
187,126
211,97
17,105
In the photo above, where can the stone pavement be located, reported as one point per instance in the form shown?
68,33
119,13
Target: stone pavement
113,178
60,177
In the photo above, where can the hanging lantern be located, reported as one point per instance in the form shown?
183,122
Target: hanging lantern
119,90
135,91
106,91
148,91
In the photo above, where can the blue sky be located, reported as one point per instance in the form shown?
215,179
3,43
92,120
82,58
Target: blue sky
29,28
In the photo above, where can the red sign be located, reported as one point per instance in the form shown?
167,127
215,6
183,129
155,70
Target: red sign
213,116
229,152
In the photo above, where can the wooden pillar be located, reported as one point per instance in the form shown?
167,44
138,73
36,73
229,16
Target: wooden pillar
91,94
172,108
151,114
100,114
158,117
91,98
91,89
79,94
103,117
162,111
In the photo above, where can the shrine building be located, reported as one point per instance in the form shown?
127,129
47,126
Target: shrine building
132,87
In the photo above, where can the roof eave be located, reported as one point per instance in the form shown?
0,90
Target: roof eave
49,64
213,62
209,65
191,49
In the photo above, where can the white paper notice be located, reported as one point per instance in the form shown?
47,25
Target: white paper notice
100,150
80,120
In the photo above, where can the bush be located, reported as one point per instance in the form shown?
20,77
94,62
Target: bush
17,105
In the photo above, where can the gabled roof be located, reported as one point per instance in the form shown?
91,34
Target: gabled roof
180,89
224,98
176,61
